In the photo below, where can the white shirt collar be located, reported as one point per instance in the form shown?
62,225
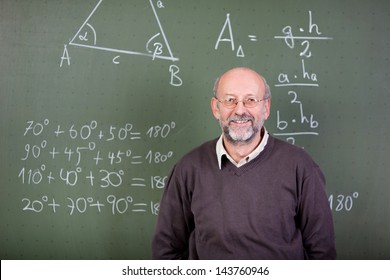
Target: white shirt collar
221,151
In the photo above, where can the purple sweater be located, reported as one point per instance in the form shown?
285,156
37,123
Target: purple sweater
274,207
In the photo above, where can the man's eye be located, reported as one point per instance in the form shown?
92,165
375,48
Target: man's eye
230,100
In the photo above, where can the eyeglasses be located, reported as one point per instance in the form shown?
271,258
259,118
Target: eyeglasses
231,103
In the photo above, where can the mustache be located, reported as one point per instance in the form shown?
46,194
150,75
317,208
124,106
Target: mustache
240,118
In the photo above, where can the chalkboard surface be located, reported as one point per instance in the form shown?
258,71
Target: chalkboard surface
99,98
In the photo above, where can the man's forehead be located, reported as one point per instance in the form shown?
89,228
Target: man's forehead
238,81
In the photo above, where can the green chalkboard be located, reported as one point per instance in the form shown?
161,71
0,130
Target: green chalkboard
100,98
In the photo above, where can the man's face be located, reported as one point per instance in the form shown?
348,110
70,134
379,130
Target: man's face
240,124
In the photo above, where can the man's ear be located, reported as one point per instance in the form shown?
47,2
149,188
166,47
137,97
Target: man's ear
214,108
267,110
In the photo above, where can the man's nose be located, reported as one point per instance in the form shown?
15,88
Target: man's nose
240,108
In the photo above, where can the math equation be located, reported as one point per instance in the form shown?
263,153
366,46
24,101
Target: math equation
96,159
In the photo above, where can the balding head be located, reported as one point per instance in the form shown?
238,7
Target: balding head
243,73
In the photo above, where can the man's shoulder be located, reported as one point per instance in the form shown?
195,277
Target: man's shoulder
288,150
203,149
203,152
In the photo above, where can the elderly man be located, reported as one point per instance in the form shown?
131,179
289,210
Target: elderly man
246,194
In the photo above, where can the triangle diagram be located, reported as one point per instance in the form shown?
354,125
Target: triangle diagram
124,27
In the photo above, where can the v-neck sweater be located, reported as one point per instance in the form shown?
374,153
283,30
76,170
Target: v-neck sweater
273,207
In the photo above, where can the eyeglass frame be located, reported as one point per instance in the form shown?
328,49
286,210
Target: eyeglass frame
257,102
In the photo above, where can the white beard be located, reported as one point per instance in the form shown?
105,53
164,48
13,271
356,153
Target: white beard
240,135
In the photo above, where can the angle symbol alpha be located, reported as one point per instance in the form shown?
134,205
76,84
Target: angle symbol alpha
125,28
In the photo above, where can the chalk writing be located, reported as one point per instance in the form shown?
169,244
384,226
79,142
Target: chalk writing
226,36
287,125
91,156
313,34
303,119
160,131
85,205
307,79
342,202
156,47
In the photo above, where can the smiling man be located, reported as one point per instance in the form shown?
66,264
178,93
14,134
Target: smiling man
246,194
241,120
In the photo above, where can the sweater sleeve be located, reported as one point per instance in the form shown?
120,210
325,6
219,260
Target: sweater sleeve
175,221
315,217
